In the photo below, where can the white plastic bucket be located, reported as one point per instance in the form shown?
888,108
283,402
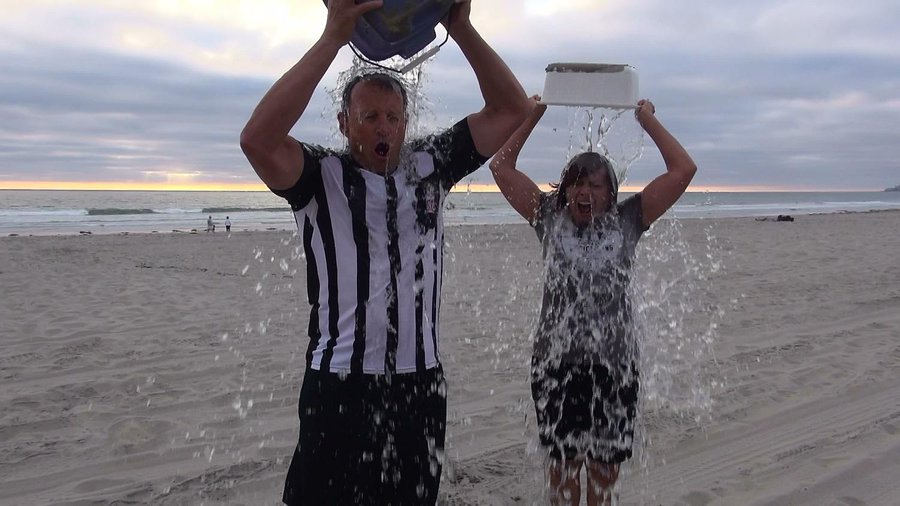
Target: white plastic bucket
614,86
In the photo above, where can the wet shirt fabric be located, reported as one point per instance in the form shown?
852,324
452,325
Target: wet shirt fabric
586,312
584,380
374,253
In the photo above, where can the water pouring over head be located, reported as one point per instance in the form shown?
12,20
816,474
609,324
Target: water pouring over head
588,187
373,118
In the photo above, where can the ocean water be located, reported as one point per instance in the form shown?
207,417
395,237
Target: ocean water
43,212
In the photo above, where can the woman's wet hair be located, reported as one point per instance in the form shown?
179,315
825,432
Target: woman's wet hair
384,81
581,165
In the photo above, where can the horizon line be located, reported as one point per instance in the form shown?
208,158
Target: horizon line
458,188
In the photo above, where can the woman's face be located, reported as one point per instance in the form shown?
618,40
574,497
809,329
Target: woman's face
588,197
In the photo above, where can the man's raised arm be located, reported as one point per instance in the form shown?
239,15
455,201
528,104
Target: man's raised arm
265,140
505,102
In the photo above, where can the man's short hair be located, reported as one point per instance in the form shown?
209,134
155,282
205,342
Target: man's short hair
384,81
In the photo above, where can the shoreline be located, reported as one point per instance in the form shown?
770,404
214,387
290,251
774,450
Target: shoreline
199,231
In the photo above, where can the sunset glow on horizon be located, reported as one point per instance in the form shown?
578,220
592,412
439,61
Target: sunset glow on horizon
129,186
256,187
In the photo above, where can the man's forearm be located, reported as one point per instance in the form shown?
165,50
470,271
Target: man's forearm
499,87
674,155
284,104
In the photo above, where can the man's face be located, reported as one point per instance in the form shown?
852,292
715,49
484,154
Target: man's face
588,197
375,126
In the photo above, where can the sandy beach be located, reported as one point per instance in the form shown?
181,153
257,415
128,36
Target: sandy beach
165,368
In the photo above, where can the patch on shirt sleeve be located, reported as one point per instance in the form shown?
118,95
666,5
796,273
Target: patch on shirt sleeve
428,203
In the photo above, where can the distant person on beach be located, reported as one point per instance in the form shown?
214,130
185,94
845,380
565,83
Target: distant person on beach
210,226
373,402
228,224
584,374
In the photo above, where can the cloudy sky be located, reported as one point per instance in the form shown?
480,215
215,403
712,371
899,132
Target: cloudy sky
790,94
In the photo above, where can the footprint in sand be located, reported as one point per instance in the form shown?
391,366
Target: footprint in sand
133,435
698,498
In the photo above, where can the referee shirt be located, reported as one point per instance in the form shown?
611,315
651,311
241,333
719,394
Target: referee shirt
374,253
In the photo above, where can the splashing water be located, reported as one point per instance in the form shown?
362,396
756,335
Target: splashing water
262,389
420,110
258,389
677,320
675,330
673,322
612,133
678,325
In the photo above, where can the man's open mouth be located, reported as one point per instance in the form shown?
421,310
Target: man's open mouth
382,149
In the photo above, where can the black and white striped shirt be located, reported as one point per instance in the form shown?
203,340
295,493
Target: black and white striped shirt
374,252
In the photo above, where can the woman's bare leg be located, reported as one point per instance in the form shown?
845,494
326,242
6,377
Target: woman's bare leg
601,479
564,480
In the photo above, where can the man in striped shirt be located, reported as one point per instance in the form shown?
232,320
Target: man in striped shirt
373,402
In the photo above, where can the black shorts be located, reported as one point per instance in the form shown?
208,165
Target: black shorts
366,439
585,410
